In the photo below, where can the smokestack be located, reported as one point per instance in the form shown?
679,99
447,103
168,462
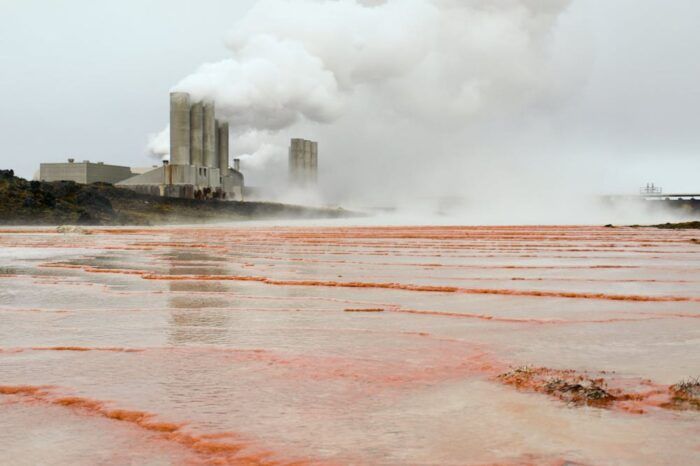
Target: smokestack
197,134
303,162
180,128
210,156
222,128
295,149
307,159
216,143
314,162
237,164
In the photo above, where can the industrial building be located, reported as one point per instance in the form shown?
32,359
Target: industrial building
303,163
84,172
199,156
199,160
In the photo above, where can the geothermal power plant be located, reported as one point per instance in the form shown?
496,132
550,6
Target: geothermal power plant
199,156
199,165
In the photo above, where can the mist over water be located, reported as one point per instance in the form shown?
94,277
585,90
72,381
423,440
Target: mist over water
414,102
424,108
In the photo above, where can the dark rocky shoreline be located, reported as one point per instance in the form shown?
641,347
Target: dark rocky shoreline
25,202
680,226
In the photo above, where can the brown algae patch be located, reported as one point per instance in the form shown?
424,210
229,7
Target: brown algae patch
685,395
566,385
581,389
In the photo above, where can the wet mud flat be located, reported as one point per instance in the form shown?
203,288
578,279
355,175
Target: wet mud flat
349,345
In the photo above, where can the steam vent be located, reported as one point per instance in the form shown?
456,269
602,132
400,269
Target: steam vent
199,156
303,162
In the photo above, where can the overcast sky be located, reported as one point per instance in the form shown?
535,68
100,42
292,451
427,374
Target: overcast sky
90,79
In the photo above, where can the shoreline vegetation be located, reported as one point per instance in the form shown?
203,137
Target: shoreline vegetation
25,202
694,225
680,226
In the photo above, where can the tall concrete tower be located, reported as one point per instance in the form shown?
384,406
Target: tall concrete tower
210,155
197,134
180,128
199,156
222,133
303,162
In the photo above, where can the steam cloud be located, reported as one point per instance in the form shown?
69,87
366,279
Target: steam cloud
305,59
409,98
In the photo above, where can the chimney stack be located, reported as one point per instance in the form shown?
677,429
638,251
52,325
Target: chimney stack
180,128
209,133
197,134
303,162
222,128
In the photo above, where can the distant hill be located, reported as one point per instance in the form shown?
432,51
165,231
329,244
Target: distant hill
25,202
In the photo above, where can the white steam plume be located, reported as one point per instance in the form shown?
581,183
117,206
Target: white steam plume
159,144
296,60
419,92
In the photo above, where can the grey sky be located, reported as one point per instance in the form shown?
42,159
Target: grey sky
89,79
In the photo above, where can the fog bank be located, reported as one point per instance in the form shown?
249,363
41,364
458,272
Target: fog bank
417,105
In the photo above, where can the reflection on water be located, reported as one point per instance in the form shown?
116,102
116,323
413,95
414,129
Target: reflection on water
237,346
192,327
188,325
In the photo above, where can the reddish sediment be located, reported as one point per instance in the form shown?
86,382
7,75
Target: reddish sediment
25,390
541,321
422,359
601,390
220,448
81,349
684,395
375,310
455,362
389,286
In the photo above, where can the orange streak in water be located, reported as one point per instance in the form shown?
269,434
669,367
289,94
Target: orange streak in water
83,349
516,320
221,452
423,288
364,310
475,316
10,231
25,390
390,286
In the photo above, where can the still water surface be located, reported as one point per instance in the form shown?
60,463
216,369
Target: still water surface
291,345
